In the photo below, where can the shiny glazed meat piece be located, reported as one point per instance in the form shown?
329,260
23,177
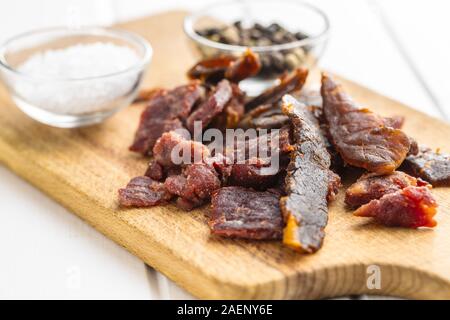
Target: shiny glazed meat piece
308,182
246,66
372,186
163,114
244,213
433,167
226,67
211,70
411,207
359,135
143,192
288,85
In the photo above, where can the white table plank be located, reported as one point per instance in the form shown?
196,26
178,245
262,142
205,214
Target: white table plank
422,29
49,253
361,50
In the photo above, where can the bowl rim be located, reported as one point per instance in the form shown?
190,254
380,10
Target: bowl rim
322,36
127,36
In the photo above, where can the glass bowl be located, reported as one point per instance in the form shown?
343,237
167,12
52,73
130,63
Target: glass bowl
297,17
70,101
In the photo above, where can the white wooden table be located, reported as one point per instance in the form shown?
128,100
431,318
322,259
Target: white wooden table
397,47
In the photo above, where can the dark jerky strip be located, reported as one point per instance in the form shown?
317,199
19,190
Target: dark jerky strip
359,135
163,113
288,85
411,207
305,208
433,167
214,104
244,213
372,186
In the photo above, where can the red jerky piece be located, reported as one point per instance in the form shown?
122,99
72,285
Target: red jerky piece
143,192
233,111
372,186
246,66
211,70
214,104
433,167
195,185
359,135
155,171
163,148
163,114
274,94
412,207
244,213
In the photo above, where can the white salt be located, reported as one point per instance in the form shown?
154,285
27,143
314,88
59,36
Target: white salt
78,62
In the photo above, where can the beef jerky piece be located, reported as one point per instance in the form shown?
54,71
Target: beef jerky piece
244,213
288,84
246,66
233,111
211,70
359,135
371,186
333,185
214,104
265,118
148,134
411,207
252,175
433,167
163,114
143,192
274,121
189,151
247,119
155,171
195,185
264,146
308,180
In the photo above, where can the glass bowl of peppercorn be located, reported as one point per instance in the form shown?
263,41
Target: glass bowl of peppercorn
286,34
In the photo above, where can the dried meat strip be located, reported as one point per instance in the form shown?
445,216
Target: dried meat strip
288,85
246,66
372,186
212,106
233,111
308,180
359,135
229,67
164,113
411,207
431,166
143,192
245,213
211,70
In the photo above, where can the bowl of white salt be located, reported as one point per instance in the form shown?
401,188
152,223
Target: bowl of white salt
74,77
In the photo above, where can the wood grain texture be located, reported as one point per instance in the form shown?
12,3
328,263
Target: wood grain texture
83,168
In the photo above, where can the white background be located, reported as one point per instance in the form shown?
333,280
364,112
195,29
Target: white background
400,48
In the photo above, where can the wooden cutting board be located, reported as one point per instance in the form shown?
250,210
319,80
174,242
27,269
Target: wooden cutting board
83,168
